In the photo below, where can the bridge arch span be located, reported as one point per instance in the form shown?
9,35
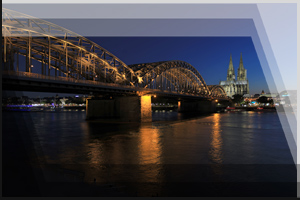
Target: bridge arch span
50,50
217,91
58,51
174,76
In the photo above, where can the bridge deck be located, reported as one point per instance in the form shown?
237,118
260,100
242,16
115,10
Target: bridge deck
25,81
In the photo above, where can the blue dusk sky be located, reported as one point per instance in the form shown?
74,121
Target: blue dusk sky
209,55
203,35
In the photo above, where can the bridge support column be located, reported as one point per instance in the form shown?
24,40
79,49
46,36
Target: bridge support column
129,108
205,106
134,108
99,108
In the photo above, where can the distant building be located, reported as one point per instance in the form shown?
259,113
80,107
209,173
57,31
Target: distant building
269,95
234,86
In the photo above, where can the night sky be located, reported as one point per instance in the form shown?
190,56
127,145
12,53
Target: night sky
209,55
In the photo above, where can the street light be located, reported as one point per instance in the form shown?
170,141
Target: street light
31,66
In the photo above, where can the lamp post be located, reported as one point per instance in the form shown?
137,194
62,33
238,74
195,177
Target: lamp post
31,66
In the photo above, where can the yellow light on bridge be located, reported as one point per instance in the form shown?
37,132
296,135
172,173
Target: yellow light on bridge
216,100
140,79
154,96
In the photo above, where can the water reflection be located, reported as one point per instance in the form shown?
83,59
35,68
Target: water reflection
150,153
149,147
216,154
172,149
126,153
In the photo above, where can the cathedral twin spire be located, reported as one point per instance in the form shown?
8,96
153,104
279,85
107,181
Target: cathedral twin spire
230,71
233,85
242,72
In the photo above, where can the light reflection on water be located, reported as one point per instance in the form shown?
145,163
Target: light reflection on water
149,146
217,142
170,149
167,142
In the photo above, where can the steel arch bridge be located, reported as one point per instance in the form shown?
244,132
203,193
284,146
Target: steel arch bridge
176,76
56,48
217,91
36,48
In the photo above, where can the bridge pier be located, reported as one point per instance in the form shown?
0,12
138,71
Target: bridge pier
204,106
127,108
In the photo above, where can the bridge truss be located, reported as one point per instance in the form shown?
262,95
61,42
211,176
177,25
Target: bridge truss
175,76
39,49
217,91
58,51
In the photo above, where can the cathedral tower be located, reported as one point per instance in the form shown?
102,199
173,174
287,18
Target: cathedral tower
242,72
234,86
230,71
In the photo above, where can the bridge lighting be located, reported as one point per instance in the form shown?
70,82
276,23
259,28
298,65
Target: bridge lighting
216,100
140,79
184,78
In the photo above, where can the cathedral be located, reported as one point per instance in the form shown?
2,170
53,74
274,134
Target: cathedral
239,85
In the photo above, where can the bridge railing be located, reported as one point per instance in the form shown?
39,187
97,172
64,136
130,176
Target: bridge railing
60,78
91,82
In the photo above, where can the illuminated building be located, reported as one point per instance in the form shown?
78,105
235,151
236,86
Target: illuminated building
234,86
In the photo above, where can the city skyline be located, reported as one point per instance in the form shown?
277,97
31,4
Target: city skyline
206,54
149,100
209,55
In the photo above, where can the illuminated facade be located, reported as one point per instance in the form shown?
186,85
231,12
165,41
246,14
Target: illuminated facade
239,85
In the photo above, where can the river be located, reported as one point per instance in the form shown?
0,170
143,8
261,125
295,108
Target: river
219,154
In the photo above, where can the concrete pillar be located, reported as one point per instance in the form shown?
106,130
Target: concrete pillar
179,109
127,108
134,108
146,109
100,108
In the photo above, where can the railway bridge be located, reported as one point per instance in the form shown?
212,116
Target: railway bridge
40,56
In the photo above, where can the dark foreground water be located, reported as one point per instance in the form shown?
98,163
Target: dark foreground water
221,154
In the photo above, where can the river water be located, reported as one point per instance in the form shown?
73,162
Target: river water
219,154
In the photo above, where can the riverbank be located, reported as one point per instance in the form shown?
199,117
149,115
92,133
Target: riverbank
258,108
